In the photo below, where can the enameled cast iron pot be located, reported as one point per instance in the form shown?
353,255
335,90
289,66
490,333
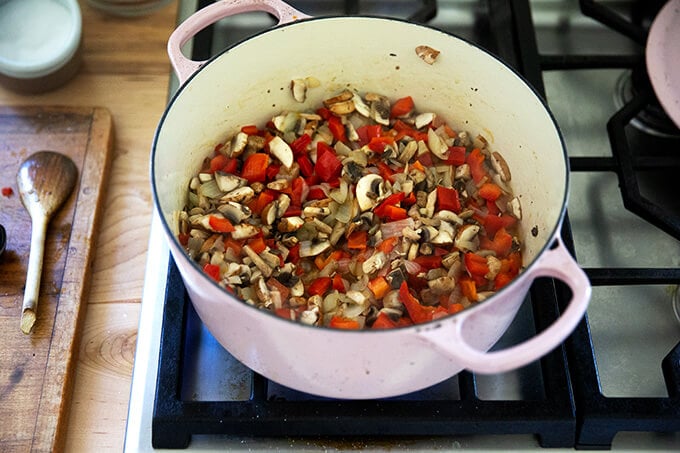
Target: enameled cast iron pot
249,83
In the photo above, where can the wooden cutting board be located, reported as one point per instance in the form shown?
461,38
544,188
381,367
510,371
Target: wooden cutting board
36,370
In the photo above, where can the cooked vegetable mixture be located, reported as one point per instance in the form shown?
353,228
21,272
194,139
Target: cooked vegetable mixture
363,213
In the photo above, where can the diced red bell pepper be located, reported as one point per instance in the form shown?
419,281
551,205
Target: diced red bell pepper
231,166
501,280
367,132
339,322
300,144
272,171
404,130
255,168
257,245
285,313
324,113
385,171
220,224
455,308
402,107
387,245
476,162
382,321
183,238
263,199
492,208
306,165
294,254
447,199
213,271
297,191
490,191
493,223
426,160
410,200
416,311
337,128
429,262
379,287
500,244
468,288
250,129
378,144
328,167
389,210
319,286
391,213
476,264
316,193
357,240
456,155
218,162
338,283
233,245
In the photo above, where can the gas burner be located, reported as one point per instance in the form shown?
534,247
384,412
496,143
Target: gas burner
651,119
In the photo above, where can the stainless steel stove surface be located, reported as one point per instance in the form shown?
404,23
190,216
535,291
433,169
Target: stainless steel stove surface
622,384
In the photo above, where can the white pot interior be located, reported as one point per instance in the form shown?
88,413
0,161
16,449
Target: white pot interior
249,83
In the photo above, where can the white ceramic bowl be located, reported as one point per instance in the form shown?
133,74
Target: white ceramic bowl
39,43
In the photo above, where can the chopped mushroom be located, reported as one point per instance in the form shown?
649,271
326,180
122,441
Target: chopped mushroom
357,223
427,54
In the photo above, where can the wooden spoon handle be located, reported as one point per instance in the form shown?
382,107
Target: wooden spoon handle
29,308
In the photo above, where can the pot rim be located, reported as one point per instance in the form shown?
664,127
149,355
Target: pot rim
551,235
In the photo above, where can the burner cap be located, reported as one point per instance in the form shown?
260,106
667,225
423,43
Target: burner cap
652,119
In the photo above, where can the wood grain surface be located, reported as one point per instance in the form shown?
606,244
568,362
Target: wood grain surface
36,370
126,71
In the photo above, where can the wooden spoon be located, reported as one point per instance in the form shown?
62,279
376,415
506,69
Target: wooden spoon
45,180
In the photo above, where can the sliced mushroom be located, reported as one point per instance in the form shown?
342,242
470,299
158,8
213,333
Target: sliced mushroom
501,166
466,239
376,262
427,54
442,285
244,231
240,195
380,108
423,119
235,212
343,96
262,265
281,150
238,144
299,89
515,208
361,106
436,144
312,248
290,224
228,182
368,190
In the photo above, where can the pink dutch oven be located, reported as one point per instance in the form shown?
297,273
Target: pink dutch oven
249,82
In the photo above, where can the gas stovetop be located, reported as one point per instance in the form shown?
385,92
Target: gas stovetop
614,383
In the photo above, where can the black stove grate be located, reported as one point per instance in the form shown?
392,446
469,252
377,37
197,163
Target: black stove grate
580,417
600,418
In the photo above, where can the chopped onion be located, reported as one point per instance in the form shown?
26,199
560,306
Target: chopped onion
412,267
392,229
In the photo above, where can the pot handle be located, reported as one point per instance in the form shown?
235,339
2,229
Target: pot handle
556,262
185,67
